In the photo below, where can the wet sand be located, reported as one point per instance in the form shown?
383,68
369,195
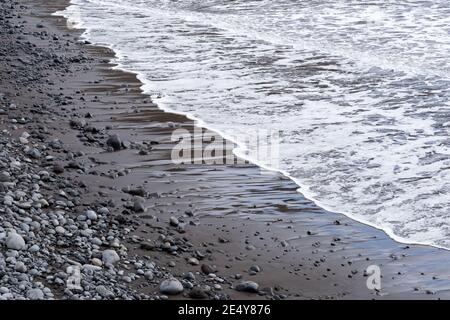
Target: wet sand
241,216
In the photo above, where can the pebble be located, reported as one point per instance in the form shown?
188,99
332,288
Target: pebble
91,215
193,261
35,294
110,257
255,268
34,248
198,293
174,221
60,230
114,142
97,262
20,267
138,206
103,211
207,269
5,177
247,286
148,275
15,242
104,292
171,287
58,169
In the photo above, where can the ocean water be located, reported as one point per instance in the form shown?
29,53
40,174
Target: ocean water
360,91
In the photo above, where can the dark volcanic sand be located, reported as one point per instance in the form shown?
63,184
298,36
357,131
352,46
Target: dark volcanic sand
241,217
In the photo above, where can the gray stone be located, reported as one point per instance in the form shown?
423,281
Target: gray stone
110,257
247,286
4,290
103,211
193,261
148,275
114,142
104,292
35,294
171,287
34,248
174,221
5,177
60,230
34,153
91,215
255,268
207,269
20,267
15,241
198,293
138,206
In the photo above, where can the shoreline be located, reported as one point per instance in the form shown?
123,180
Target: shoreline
240,218
302,189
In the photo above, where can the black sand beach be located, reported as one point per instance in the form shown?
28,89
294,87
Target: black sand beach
211,227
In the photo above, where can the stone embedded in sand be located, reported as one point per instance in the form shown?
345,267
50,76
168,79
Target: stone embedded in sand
114,142
103,211
149,275
104,292
174,221
58,169
15,242
193,261
247,286
198,293
255,268
171,286
110,257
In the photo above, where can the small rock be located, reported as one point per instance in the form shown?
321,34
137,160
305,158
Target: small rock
110,257
138,206
148,275
91,215
198,293
58,169
171,286
103,211
35,294
97,262
104,292
174,221
193,261
114,142
34,248
5,177
20,267
255,268
207,269
15,242
247,286
60,230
